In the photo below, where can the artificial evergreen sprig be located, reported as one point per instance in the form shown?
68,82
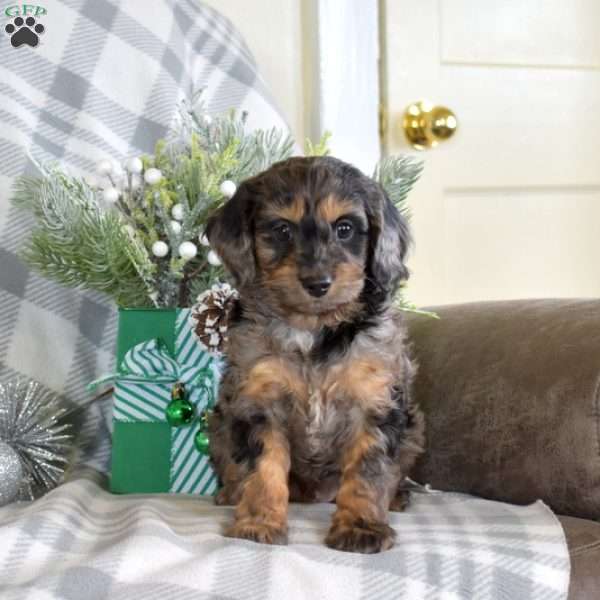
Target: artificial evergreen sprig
397,175
321,148
78,244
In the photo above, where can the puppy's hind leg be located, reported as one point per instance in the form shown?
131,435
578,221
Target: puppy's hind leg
400,501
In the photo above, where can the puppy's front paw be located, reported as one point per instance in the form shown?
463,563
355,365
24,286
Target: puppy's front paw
258,532
361,536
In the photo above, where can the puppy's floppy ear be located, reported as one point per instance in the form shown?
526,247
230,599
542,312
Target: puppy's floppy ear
230,232
389,240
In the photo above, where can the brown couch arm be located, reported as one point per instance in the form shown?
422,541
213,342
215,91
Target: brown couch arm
510,390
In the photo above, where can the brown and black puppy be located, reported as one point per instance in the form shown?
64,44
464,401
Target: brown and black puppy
315,402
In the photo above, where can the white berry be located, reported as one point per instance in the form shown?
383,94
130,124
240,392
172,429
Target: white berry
160,249
187,250
92,181
135,182
134,165
228,188
117,169
175,227
204,240
177,212
207,119
110,195
213,258
104,167
152,176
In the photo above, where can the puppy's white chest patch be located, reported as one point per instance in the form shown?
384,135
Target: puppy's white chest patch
320,421
323,417
294,340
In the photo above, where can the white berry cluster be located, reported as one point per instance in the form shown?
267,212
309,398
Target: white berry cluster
188,250
132,177
110,177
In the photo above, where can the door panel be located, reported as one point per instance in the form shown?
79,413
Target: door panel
552,33
517,231
517,123
510,206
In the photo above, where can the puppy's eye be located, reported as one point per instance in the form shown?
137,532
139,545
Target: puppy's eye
282,232
344,229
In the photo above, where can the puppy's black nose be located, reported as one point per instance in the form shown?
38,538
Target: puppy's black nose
316,287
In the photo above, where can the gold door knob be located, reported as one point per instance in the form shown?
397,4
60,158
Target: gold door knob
426,125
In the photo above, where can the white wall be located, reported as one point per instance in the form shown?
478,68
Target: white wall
273,31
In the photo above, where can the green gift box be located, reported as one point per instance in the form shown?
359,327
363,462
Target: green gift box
157,349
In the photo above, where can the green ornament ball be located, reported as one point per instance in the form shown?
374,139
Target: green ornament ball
180,411
202,442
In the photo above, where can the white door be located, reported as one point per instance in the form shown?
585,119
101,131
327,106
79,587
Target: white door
510,206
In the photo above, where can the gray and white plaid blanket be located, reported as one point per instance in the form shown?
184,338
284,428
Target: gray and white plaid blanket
81,543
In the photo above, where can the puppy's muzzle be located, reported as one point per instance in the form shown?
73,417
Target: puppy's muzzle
316,286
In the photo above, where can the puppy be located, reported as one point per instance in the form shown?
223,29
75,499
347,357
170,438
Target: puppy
315,401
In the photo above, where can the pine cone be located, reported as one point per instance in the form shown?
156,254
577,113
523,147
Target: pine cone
210,316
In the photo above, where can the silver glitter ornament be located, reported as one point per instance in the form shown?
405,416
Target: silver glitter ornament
11,474
29,426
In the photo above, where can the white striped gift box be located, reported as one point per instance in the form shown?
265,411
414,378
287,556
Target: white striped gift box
142,435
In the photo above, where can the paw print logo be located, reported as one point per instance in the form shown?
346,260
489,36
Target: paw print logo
24,31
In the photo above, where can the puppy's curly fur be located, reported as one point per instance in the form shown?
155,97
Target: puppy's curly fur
315,403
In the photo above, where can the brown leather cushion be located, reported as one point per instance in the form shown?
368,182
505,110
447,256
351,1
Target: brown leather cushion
510,391
583,539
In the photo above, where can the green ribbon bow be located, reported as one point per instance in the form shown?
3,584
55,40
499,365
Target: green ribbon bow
151,362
